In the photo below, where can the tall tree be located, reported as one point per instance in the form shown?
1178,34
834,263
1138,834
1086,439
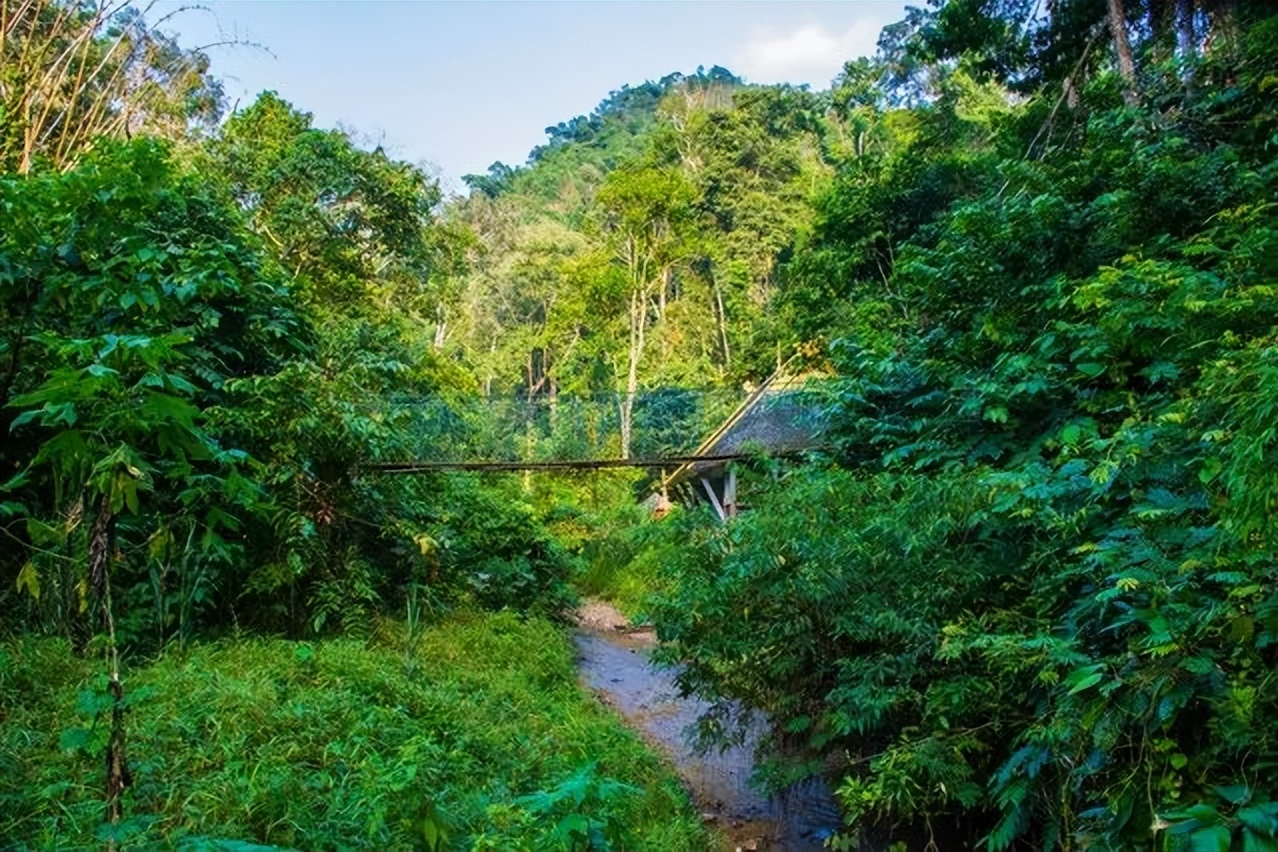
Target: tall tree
646,215
1123,50
71,72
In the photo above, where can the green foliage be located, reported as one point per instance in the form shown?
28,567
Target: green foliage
622,560
1027,600
641,246
351,225
1031,597
73,72
338,745
118,342
159,361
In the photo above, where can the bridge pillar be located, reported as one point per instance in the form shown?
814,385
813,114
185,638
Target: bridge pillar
730,492
714,498
723,495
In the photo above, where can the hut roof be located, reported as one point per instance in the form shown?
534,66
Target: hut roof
778,417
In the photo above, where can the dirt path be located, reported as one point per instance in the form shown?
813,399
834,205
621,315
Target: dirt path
614,663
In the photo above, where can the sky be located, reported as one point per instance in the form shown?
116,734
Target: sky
460,85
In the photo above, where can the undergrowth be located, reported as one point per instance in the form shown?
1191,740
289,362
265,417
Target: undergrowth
622,563
471,735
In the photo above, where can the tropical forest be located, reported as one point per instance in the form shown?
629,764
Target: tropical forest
342,510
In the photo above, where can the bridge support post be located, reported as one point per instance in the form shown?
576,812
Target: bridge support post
714,499
730,493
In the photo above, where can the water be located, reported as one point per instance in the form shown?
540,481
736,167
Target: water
617,667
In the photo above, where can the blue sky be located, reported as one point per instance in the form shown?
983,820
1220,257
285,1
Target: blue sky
462,84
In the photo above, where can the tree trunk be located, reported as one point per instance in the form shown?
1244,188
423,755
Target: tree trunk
664,285
721,317
1071,93
1126,66
1185,42
118,777
488,377
1185,28
638,327
441,329
625,408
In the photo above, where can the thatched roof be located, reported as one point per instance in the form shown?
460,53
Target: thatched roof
779,417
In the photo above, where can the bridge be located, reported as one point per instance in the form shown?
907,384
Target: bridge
683,435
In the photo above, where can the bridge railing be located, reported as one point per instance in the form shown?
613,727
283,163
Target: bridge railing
666,422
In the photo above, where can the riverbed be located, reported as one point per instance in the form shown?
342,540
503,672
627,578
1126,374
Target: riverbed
615,663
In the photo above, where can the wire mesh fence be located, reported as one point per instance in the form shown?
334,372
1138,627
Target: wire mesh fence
664,423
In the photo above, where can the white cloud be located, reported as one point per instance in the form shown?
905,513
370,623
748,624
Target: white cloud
812,54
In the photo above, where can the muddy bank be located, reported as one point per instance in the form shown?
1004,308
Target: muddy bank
614,662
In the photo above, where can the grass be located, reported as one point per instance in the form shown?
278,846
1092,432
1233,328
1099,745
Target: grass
622,564
475,735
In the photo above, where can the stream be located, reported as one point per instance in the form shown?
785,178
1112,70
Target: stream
615,664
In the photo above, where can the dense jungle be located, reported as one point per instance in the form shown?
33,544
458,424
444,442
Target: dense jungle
1022,596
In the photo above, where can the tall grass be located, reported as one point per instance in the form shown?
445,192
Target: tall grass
622,562
472,734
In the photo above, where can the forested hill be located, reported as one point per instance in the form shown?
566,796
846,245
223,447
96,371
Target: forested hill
1027,598
684,193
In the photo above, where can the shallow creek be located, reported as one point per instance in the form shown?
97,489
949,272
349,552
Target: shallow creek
614,662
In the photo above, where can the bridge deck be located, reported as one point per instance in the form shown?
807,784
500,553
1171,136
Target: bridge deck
563,464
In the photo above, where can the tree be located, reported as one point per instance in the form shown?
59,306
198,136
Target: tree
646,215
75,70
1123,50
352,226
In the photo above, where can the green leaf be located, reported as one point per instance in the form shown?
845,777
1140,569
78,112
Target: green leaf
1257,842
90,702
23,419
11,508
1213,837
1235,794
1204,813
55,790
74,739
1209,471
435,827
1261,817
573,824
1084,678
16,481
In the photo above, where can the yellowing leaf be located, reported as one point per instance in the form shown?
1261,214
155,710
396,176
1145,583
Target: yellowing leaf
30,580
